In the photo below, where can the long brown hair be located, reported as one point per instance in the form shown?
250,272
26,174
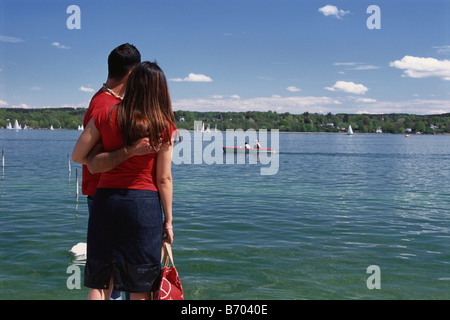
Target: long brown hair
146,109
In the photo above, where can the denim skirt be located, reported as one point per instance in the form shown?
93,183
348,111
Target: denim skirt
124,240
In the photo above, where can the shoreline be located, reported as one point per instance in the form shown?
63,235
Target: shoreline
306,132
396,123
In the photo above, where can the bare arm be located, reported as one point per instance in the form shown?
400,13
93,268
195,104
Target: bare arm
89,151
86,142
165,186
102,161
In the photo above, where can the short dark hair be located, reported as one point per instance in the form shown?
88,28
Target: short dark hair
122,59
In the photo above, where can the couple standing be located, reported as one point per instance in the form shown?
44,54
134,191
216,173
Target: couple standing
126,152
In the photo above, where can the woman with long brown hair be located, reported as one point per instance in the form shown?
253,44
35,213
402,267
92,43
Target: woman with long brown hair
126,224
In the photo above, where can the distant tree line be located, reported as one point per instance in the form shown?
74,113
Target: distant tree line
70,118
315,122
65,118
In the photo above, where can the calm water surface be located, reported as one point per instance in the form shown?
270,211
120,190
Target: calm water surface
337,205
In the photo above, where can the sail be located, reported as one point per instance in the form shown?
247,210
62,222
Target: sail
16,125
350,130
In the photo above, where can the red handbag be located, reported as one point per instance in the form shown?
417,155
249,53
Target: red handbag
170,285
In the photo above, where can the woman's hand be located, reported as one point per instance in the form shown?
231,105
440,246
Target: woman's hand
165,187
168,232
141,147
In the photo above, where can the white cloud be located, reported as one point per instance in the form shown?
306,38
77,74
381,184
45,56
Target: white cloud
59,45
330,10
345,63
82,104
20,106
235,96
293,89
442,49
366,100
349,87
356,65
416,67
296,105
414,106
85,89
10,39
365,67
193,78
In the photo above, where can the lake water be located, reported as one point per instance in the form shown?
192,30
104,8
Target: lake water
337,205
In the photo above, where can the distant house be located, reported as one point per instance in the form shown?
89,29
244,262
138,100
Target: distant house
433,127
408,130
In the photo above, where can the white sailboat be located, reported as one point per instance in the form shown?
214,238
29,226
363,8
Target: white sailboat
17,126
350,130
8,126
198,128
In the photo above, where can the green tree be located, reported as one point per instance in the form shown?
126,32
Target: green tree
420,126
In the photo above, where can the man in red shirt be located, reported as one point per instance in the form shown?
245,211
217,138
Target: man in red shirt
121,62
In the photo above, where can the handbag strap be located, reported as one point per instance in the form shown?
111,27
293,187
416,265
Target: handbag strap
166,252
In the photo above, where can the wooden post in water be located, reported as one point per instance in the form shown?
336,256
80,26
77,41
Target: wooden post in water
76,171
68,160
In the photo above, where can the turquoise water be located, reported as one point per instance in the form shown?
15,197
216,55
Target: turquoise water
337,205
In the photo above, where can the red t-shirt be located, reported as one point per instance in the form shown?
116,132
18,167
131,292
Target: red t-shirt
138,172
99,100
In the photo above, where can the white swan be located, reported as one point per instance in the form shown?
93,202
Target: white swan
79,250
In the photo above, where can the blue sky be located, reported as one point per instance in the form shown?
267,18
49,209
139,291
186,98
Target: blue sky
228,55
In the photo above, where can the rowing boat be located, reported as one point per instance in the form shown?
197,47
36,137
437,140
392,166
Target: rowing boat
247,150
